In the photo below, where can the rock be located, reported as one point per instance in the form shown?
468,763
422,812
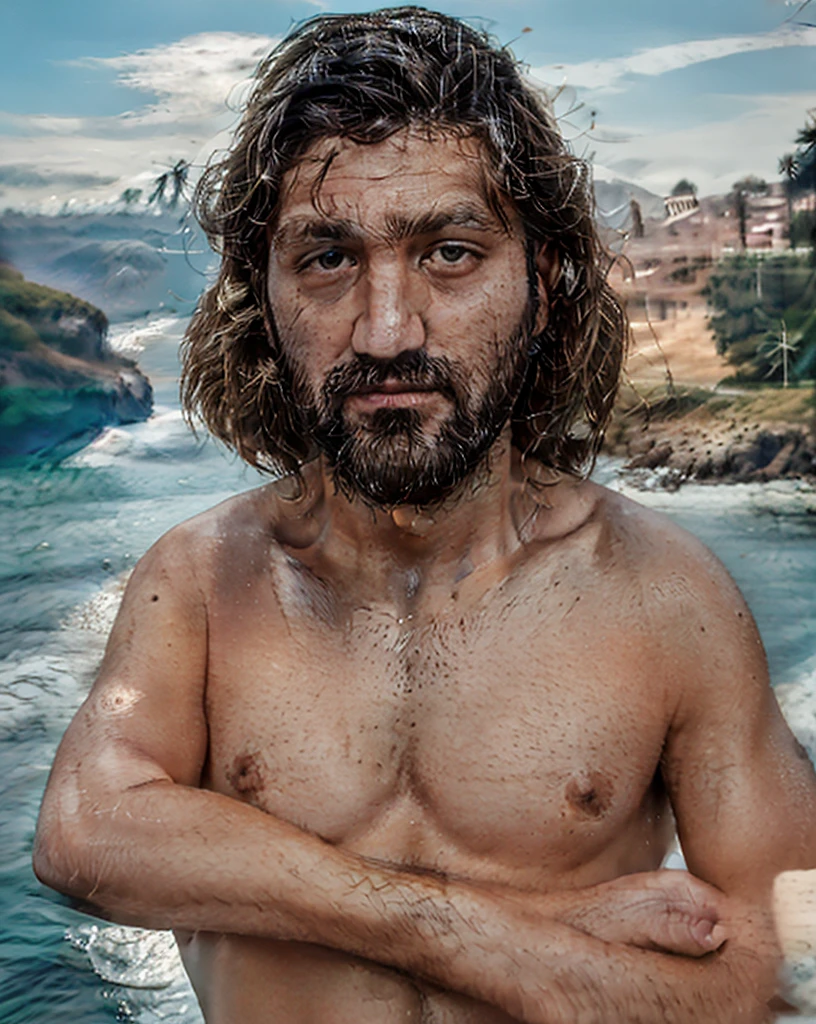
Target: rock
779,463
655,457
697,445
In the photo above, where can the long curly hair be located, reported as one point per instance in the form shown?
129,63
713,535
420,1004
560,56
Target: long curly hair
365,77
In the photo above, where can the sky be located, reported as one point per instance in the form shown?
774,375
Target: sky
98,96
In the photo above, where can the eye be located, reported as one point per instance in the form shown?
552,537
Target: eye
331,259
328,261
452,258
450,252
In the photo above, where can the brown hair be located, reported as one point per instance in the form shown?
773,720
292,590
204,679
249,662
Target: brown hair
366,77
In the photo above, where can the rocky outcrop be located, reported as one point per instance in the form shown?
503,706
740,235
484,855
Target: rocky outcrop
60,384
767,455
707,437
685,454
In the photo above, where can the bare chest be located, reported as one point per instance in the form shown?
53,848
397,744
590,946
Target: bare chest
512,734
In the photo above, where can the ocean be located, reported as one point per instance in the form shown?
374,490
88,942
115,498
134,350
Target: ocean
73,530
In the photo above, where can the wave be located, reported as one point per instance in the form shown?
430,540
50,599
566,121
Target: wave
133,337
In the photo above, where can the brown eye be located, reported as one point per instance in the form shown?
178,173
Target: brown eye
450,253
331,259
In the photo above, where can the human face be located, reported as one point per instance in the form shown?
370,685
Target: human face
403,306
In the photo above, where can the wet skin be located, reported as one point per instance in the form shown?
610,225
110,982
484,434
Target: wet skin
401,766
493,733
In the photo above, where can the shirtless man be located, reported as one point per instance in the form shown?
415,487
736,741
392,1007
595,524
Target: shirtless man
398,737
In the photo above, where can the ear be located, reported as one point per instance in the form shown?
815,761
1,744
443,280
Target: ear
547,273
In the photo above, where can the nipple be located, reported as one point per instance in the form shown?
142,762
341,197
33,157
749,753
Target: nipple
412,520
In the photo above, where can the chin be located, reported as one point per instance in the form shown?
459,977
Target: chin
399,467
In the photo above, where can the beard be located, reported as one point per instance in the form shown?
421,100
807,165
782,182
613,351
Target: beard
390,457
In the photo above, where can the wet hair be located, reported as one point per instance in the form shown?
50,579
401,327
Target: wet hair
365,77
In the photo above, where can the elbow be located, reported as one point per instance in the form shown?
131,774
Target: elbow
66,855
60,858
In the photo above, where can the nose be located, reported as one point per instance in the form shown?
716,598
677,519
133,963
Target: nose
391,320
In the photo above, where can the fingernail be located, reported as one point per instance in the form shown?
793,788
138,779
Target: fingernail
717,936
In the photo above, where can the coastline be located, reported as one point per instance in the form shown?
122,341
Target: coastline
715,436
678,416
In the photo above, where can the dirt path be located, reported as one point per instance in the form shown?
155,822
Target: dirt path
685,343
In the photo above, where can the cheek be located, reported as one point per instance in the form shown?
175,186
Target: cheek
312,342
488,316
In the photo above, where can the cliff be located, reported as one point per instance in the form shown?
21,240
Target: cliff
60,384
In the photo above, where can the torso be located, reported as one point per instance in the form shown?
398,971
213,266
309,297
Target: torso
512,736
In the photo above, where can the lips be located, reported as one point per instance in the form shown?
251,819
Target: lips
391,394
391,387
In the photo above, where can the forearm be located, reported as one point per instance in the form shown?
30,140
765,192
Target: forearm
579,977
167,856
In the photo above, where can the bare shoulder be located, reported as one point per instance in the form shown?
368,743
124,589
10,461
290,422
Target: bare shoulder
187,556
691,604
669,562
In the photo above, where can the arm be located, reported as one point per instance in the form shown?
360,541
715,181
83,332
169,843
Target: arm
743,790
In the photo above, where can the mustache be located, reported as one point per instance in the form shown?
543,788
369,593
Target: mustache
414,368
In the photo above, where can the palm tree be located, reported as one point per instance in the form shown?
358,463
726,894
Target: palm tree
160,187
178,173
176,179
806,139
789,168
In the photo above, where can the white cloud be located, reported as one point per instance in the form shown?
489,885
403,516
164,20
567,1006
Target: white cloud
610,75
195,86
193,80
715,154
190,90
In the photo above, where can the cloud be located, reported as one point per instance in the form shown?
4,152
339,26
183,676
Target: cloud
611,75
191,91
185,95
24,176
713,155
195,79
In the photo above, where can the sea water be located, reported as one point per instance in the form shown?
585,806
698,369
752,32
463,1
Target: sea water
72,531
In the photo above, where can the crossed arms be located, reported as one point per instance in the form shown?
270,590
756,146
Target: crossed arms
124,828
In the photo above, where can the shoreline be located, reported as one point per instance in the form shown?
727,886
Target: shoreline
692,433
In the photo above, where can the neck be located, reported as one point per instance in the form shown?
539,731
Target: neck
403,555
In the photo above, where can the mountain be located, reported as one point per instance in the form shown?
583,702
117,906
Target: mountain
612,199
126,262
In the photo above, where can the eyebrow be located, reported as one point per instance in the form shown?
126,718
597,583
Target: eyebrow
398,227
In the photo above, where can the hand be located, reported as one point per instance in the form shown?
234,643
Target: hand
668,911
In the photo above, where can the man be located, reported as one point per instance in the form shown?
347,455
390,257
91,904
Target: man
398,737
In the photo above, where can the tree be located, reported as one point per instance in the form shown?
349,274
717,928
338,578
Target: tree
131,196
684,187
806,155
750,185
806,138
789,168
175,179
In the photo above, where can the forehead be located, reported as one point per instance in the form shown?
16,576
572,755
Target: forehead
405,175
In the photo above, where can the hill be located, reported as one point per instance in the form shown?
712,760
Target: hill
60,384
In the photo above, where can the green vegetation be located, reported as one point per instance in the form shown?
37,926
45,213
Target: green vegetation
50,405
764,317
798,170
684,187
803,229
686,270
31,313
